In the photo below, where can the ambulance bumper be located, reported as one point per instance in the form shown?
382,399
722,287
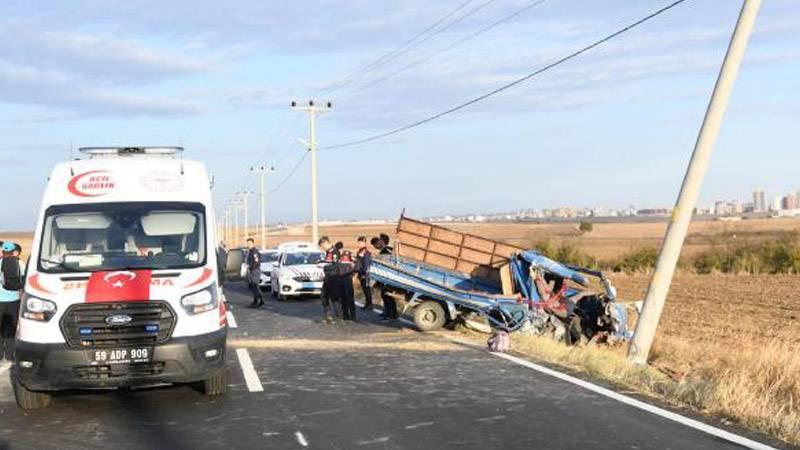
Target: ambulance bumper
54,367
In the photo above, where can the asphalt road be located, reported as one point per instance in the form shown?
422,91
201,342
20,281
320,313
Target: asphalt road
344,386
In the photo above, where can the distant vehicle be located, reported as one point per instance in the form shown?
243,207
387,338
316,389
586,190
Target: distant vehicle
297,246
297,273
268,260
122,289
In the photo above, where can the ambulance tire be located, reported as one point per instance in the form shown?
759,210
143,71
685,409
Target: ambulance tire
215,384
429,316
30,400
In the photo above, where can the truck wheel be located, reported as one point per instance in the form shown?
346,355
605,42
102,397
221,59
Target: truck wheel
29,400
429,316
216,383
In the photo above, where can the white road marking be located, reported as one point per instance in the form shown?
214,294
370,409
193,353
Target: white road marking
691,423
300,438
231,319
250,374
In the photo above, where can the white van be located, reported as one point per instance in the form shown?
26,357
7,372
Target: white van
122,288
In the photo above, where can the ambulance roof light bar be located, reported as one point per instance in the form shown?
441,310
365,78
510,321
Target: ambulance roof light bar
127,151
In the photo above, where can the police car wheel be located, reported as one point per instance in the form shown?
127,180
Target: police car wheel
215,384
429,316
29,400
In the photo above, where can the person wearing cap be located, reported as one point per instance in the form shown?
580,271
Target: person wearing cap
329,270
11,274
363,261
345,270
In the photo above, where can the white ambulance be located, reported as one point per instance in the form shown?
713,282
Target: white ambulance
122,288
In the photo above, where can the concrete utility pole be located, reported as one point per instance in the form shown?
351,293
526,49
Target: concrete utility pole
262,170
245,199
312,147
690,190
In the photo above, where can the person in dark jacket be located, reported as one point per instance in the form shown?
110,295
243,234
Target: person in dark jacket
381,244
363,262
253,261
12,277
328,293
345,270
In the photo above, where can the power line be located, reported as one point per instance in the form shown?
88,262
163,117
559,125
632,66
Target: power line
428,57
396,51
510,84
290,174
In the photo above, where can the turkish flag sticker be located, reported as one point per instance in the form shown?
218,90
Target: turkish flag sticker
119,286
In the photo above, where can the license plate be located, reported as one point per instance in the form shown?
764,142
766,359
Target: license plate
121,355
309,285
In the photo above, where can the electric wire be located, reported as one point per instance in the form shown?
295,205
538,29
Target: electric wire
428,57
289,175
404,47
510,84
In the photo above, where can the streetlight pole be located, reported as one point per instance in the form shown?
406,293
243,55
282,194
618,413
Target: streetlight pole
235,205
312,147
687,199
262,170
245,199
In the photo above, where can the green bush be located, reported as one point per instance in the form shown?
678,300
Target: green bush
586,227
780,256
638,260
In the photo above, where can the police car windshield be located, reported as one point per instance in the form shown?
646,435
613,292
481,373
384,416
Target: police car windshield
294,259
267,257
116,236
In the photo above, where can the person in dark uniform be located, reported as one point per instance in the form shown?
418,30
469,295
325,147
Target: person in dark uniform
345,270
381,244
328,282
253,261
363,261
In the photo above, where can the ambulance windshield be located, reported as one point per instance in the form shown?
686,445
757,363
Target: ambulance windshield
116,236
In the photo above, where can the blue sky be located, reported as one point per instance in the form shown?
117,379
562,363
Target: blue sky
612,128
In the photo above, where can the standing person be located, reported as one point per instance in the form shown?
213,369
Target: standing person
363,261
329,271
253,262
381,244
222,261
11,270
345,270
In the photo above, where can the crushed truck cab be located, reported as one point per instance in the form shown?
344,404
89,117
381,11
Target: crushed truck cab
122,288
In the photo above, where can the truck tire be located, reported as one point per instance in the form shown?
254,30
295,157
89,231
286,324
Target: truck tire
30,400
429,316
215,384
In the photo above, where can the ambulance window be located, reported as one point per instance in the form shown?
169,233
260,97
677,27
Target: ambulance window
115,236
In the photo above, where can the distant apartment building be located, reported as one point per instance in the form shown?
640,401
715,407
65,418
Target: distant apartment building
776,204
759,201
790,202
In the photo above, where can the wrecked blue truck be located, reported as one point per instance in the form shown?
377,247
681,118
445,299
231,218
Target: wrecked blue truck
513,290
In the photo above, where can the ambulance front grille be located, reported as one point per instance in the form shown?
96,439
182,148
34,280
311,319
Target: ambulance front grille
85,325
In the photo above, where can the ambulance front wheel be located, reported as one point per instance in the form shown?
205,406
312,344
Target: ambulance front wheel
30,400
215,384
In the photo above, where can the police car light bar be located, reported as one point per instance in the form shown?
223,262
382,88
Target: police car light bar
124,151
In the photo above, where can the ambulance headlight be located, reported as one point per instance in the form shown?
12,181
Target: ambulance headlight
200,301
38,309
285,276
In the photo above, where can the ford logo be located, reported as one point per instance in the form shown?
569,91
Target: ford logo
118,320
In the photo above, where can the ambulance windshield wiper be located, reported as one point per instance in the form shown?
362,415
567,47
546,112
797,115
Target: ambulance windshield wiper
60,264
144,267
